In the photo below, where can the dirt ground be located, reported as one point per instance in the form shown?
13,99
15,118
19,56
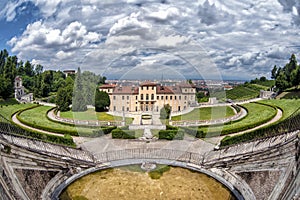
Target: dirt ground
177,183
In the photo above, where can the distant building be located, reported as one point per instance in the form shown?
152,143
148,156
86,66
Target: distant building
228,87
150,96
267,94
69,72
20,94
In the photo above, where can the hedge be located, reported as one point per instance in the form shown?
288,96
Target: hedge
122,134
100,132
50,129
171,134
40,136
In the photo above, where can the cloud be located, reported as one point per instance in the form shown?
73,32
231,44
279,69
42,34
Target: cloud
235,37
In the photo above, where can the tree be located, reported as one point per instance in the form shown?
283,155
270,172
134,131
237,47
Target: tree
165,112
102,101
63,99
262,79
281,81
28,68
78,101
274,72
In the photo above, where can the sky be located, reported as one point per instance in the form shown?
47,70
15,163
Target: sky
150,39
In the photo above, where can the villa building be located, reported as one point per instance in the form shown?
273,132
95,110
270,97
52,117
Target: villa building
150,96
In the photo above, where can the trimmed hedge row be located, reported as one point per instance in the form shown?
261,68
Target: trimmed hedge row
50,129
24,132
171,134
198,133
122,134
271,130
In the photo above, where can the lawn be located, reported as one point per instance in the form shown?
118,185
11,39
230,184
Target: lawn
37,117
257,114
90,114
206,113
7,110
289,106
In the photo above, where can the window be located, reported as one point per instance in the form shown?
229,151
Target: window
175,97
127,109
147,88
162,97
147,96
184,97
122,97
171,97
152,96
178,108
152,87
136,109
185,90
166,97
114,97
114,108
157,97
127,97
123,108
179,97
136,97
142,96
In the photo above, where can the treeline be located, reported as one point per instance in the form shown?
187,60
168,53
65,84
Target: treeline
44,83
288,76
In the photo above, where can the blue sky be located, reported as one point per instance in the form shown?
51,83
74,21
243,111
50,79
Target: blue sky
229,39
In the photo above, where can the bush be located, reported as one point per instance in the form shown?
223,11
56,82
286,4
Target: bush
171,134
194,132
122,134
102,131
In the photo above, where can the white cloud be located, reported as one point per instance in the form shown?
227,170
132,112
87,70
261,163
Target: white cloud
239,36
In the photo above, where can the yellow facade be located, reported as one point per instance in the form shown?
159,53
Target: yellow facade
150,97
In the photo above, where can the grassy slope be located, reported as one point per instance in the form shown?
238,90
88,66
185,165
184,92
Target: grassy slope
7,111
287,105
38,116
206,113
252,118
90,114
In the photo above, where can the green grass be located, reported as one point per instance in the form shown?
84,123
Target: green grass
241,92
37,116
7,111
256,113
90,114
206,113
8,101
289,106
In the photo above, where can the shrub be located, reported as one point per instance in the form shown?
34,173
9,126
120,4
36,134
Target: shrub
102,131
122,134
171,134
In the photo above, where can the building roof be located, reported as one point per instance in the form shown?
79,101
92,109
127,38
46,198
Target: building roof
106,86
168,90
126,90
148,84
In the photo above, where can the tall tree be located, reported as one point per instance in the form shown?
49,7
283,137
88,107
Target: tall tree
78,101
28,68
102,101
274,72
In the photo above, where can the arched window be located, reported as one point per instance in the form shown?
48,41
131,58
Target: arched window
147,96
142,96
152,96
